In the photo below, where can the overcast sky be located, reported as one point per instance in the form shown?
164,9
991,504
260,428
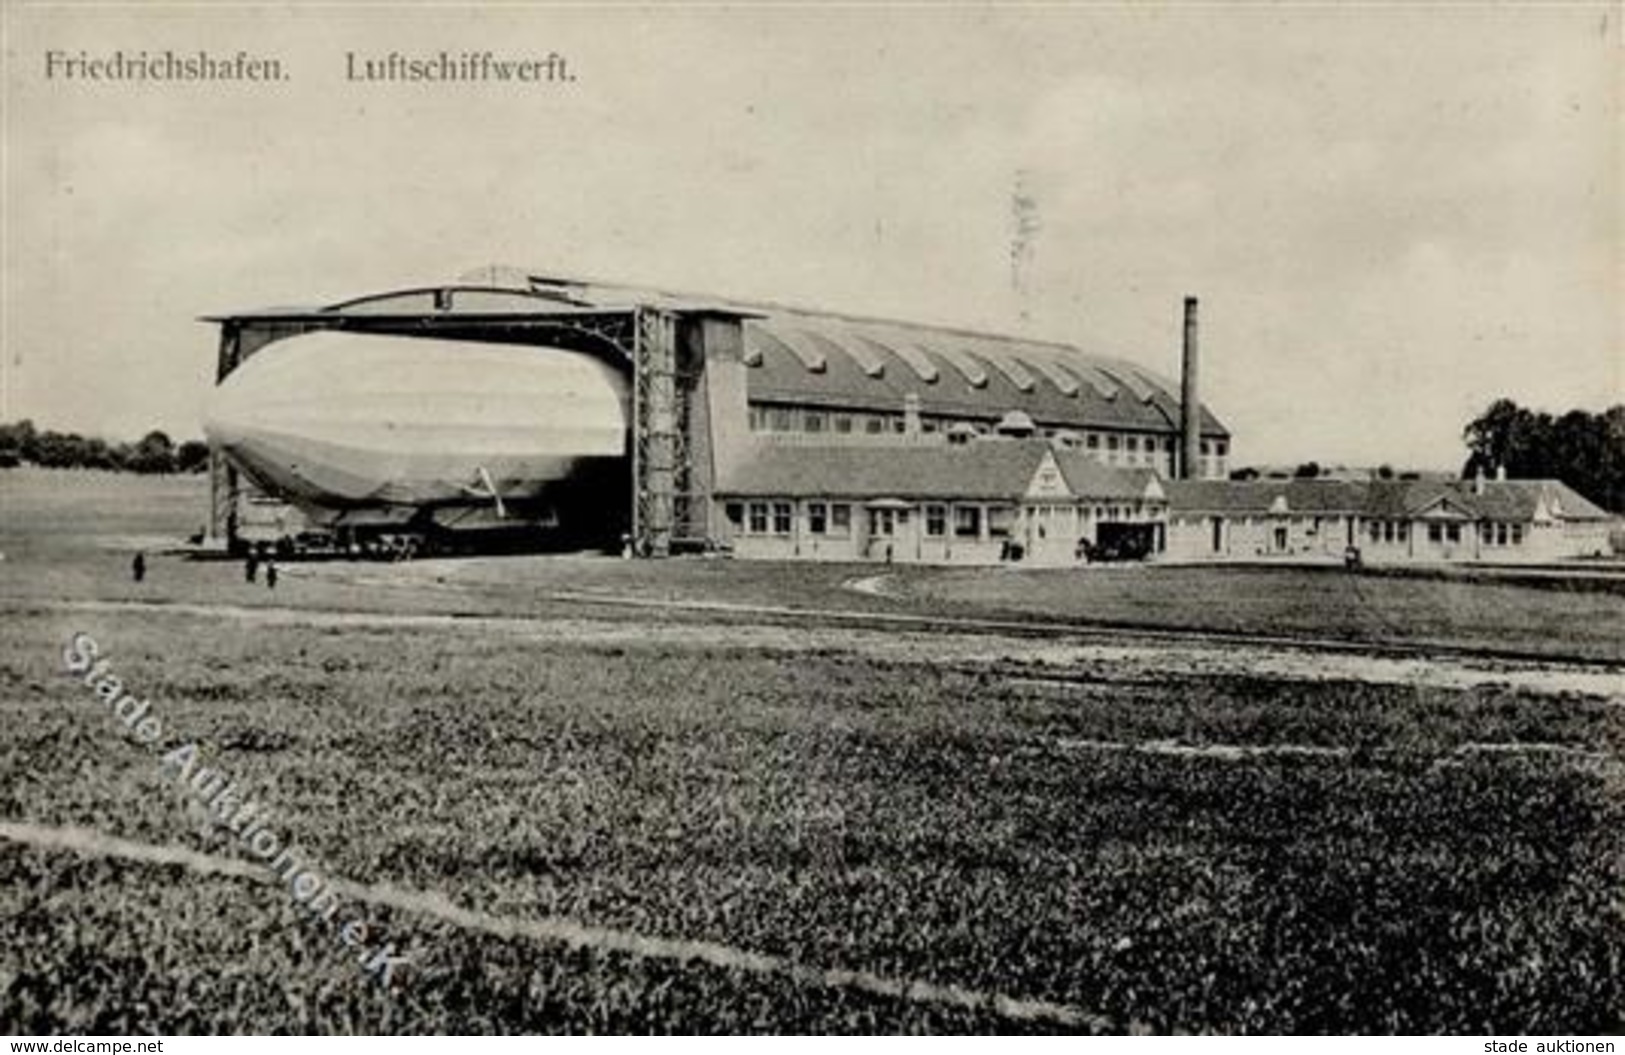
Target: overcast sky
1392,215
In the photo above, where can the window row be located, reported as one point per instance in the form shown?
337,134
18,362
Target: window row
778,518
1389,531
1490,534
835,519
776,418
779,417
1438,532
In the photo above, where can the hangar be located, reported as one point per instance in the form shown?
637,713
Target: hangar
685,422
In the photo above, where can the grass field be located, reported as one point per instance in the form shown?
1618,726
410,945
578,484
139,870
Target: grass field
577,818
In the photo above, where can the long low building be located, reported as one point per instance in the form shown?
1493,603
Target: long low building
1037,501
1487,520
980,502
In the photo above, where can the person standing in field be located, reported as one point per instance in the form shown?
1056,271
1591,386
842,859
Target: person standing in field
251,567
270,574
138,566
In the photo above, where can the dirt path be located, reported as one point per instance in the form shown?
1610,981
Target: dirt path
562,930
912,639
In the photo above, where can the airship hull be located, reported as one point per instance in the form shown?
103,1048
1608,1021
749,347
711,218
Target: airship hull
342,423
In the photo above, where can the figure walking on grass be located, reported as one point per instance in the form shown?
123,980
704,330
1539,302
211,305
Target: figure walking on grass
138,566
251,568
270,575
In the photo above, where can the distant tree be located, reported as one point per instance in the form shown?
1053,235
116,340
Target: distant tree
1585,451
1307,471
192,456
19,439
1385,471
96,453
22,443
1248,473
154,454
55,450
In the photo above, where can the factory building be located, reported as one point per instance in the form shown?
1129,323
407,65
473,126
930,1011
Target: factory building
759,428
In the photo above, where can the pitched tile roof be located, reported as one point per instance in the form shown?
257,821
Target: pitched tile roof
1510,500
1256,497
1086,477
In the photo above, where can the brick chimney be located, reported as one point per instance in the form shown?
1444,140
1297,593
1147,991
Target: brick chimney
1190,406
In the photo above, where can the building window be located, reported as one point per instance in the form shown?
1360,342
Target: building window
898,425
1402,531
999,521
967,521
936,521
736,514
813,421
1517,534
929,425
1133,444
1376,531
782,419
1092,441
1221,448
817,518
1111,442
1452,532
781,518
1207,448
1500,534
840,519
843,423
1435,532
874,424
758,418
758,518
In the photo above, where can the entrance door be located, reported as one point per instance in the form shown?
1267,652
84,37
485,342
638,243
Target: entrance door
882,533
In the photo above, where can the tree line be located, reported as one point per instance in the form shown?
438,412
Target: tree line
1585,451
22,444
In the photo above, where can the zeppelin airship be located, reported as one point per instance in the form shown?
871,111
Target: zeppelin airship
362,430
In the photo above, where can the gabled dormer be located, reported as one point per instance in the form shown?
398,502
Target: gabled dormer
1445,507
1048,482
